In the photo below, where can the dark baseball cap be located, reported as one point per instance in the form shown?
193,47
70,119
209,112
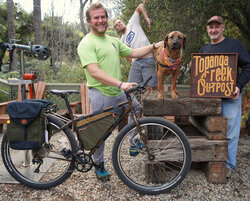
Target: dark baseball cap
215,19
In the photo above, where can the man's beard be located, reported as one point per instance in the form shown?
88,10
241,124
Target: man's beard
100,31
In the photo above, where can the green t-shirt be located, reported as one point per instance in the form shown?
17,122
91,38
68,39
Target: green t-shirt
106,52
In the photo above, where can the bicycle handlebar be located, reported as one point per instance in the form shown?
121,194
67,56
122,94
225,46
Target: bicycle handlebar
11,46
140,87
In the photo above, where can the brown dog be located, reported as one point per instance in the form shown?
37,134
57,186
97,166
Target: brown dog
168,60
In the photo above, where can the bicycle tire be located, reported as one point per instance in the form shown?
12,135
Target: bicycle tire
53,171
168,163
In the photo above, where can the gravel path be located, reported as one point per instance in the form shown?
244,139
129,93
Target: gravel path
84,186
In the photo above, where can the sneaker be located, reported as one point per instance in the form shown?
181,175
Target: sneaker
134,151
101,173
229,172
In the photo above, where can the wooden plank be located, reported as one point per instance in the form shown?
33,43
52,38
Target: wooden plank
85,103
40,89
184,105
4,118
88,105
155,173
208,150
213,152
216,172
203,150
214,123
214,128
83,97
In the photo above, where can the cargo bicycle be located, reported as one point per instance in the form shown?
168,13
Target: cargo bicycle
163,160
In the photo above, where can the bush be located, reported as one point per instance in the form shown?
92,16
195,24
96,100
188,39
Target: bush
3,96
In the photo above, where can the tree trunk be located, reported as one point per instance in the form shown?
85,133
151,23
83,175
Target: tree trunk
53,57
37,22
82,5
11,30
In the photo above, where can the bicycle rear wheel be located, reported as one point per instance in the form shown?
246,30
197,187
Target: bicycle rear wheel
166,165
55,165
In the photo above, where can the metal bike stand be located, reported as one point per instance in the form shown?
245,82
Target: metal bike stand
27,158
27,154
21,80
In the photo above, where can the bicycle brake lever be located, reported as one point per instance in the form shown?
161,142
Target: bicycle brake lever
142,90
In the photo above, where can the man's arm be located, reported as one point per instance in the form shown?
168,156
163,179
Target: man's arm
142,51
105,78
141,9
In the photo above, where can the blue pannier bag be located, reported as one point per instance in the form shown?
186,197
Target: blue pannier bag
26,129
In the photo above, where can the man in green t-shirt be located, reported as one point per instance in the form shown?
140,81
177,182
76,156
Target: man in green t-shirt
100,57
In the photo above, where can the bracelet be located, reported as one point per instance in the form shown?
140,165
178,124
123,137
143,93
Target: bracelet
120,85
154,46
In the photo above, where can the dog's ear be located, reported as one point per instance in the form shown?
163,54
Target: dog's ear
166,41
184,41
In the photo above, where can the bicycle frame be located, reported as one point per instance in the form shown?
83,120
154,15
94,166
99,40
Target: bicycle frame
73,120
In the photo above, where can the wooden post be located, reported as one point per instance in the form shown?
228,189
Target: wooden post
216,172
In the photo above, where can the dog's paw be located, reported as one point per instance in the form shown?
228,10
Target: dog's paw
160,96
174,95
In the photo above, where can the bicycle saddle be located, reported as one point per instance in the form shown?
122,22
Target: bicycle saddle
63,92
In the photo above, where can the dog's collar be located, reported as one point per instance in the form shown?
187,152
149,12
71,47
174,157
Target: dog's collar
171,63
163,65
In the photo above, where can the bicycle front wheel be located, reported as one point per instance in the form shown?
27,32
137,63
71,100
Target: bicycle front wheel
162,167
44,168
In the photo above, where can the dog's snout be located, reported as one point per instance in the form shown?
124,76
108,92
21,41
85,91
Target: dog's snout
175,44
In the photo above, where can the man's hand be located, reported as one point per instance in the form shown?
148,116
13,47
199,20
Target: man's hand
149,23
127,85
157,45
236,93
129,59
141,9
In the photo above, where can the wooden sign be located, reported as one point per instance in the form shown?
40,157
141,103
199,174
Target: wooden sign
213,75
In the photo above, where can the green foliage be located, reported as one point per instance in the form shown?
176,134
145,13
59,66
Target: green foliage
62,37
12,74
3,96
190,17
3,22
23,25
67,72
125,67
244,117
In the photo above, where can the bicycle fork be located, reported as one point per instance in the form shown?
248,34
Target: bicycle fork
142,135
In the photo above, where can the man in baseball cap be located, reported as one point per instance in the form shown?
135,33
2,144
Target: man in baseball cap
231,107
215,19
215,29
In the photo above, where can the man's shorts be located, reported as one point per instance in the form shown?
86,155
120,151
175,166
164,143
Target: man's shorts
142,69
